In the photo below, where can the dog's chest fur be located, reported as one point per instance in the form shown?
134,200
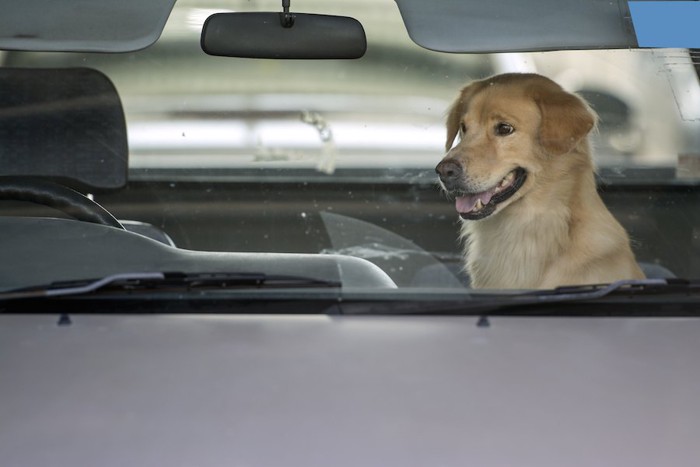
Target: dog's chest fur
519,255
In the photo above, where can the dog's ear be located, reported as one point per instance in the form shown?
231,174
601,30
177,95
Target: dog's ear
566,119
457,111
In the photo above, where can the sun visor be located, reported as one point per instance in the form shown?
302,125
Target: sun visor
80,26
516,25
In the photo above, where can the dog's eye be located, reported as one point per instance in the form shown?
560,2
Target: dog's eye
504,129
462,128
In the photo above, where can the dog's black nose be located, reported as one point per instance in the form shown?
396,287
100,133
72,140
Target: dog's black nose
449,170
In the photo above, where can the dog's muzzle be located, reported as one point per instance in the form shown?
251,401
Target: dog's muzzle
473,205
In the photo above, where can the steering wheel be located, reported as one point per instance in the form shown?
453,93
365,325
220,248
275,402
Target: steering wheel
54,195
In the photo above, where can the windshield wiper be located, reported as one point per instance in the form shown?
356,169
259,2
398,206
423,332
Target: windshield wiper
597,291
647,297
166,281
634,297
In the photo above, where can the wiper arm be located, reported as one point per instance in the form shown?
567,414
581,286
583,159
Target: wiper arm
592,292
565,300
638,294
171,281
57,289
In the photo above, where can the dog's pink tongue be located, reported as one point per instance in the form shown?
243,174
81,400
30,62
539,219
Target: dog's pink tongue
466,203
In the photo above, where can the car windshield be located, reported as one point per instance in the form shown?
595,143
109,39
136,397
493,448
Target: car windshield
337,158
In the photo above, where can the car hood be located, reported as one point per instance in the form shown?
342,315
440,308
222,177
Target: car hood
347,391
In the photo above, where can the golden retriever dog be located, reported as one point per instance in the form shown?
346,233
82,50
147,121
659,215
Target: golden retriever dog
524,186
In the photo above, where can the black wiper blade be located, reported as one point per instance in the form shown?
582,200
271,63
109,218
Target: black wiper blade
72,288
642,297
597,291
677,295
166,281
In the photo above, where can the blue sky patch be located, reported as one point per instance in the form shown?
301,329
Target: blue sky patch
666,24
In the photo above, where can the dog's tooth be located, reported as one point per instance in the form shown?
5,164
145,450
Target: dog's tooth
478,205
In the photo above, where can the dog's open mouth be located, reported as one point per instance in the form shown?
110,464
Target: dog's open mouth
474,206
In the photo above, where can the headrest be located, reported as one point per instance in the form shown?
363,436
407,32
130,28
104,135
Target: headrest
66,125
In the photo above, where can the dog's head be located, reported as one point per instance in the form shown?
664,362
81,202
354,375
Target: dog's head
501,134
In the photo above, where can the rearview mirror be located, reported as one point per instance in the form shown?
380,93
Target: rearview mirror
283,35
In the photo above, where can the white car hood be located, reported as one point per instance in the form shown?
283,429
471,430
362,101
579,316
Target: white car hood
319,391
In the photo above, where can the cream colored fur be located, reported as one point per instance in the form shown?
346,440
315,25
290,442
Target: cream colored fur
555,230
